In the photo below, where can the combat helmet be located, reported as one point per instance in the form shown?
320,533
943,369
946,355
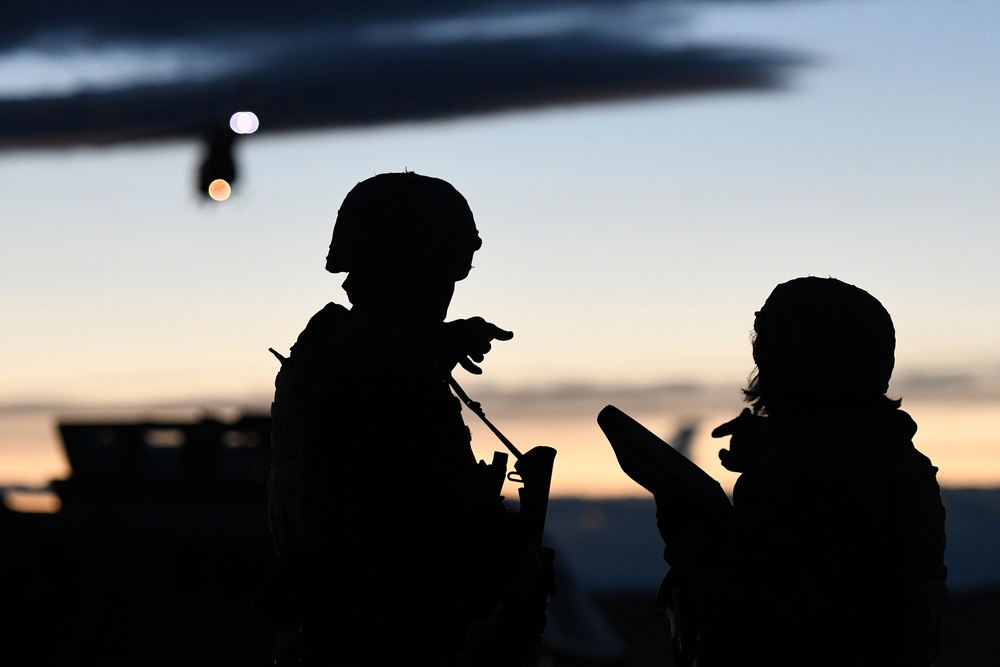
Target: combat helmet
404,226
822,339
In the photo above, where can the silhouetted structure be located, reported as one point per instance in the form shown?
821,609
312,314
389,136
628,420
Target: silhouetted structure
148,462
834,552
152,558
396,545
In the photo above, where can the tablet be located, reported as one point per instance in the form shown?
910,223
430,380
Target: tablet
658,467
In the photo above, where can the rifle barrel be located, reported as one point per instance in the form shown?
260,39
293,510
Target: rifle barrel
478,409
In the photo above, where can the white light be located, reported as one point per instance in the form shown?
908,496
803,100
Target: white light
244,122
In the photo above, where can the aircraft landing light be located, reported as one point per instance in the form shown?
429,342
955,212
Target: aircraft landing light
219,190
244,122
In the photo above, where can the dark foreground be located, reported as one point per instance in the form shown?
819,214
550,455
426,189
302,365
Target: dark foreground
971,630
163,540
172,584
129,597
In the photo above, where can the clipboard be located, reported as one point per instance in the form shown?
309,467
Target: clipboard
658,467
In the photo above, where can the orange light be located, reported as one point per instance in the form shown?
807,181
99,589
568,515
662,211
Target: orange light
34,502
219,190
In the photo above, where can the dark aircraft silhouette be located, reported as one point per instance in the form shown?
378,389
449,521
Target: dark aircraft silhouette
180,69
684,438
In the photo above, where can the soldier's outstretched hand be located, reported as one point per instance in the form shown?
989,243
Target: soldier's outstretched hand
466,342
747,440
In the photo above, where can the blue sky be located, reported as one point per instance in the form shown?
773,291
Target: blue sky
625,243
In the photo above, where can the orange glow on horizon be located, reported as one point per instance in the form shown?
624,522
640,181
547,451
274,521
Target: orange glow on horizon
32,502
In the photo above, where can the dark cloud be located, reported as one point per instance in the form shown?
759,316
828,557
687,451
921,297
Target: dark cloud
324,65
27,21
127,20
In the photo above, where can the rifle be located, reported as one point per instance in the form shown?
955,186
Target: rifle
533,471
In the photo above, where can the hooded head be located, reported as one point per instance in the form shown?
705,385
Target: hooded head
821,342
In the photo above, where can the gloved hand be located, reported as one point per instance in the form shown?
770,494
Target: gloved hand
466,342
747,441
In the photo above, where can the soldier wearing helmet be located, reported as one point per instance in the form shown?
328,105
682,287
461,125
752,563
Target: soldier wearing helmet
389,536
833,553
837,551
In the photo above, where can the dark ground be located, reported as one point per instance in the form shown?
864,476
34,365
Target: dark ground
100,608
971,629
174,587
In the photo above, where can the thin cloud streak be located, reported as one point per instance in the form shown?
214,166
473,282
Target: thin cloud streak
566,399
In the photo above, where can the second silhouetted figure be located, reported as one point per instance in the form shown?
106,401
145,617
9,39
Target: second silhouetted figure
834,554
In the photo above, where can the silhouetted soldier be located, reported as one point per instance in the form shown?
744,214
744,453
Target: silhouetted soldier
837,547
396,545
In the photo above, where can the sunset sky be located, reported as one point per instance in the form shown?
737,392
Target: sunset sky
626,243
